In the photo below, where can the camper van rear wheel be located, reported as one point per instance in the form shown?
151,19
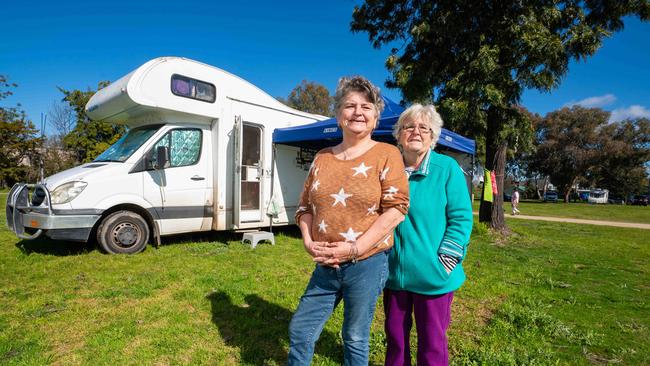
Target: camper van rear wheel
123,232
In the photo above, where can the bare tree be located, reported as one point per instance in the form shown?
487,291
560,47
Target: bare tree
62,117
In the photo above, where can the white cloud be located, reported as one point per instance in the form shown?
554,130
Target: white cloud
635,111
594,102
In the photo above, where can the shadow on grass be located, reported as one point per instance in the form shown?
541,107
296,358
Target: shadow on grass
203,236
225,237
260,330
292,231
44,245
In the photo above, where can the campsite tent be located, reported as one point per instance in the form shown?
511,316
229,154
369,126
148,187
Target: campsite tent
327,133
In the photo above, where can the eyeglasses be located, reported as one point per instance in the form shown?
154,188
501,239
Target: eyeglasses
424,129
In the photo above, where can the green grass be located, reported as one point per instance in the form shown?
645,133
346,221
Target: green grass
550,294
620,213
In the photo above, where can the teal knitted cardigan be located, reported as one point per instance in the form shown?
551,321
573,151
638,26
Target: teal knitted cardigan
439,221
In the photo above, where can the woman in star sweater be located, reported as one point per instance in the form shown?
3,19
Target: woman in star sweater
354,196
430,244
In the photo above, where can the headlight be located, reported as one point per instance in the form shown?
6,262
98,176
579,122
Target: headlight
67,192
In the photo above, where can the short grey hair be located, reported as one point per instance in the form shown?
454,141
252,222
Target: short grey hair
361,85
426,113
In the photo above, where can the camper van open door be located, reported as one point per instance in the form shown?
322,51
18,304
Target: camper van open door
248,173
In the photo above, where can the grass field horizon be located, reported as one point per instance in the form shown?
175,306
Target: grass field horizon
549,294
579,210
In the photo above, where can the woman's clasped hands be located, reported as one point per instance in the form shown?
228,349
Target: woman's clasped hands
333,253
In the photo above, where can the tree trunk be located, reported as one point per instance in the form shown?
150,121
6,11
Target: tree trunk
495,160
545,187
567,195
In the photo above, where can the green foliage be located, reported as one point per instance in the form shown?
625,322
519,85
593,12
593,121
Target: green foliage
484,52
310,97
5,86
625,149
20,143
475,58
580,145
88,138
568,145
480,228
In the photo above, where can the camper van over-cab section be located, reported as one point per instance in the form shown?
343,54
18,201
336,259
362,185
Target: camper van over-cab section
197,156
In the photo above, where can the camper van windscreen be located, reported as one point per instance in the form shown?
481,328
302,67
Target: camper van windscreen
192,88
128,144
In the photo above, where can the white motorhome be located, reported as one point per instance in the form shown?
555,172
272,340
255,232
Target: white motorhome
598,196
197,156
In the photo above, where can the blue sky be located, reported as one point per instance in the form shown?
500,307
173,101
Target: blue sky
274,45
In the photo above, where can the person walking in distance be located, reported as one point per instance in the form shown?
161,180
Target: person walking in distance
514,200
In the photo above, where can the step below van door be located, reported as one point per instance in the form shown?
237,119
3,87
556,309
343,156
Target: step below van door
180,191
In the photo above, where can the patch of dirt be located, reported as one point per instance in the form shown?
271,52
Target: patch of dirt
596,359
9,355
482,311
502,237
487,309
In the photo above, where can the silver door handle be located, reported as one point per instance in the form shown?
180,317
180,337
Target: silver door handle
196,177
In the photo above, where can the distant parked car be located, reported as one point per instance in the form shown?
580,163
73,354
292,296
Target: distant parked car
639,200
550,196
616,199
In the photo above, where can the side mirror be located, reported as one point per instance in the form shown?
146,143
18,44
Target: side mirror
162,157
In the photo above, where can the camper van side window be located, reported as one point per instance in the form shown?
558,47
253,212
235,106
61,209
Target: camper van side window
192,88
184,147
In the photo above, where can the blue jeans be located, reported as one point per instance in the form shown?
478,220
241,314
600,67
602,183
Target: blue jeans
359,286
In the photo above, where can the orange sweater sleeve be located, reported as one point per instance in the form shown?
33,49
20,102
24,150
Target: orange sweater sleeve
394,182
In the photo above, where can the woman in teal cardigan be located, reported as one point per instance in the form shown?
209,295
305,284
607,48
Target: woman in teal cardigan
430,244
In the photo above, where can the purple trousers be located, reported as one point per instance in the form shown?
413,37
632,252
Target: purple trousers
432,317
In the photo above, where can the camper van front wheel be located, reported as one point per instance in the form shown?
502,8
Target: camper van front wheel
123,232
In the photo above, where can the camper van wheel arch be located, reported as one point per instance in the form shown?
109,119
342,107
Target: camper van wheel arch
123,232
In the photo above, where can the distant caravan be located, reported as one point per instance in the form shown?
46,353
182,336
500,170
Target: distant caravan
198,156
598,196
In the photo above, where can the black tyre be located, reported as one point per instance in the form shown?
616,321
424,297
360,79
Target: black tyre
123,232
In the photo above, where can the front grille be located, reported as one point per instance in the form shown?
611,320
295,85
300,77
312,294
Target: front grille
38,196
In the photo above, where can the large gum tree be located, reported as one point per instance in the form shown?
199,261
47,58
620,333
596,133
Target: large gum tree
474,59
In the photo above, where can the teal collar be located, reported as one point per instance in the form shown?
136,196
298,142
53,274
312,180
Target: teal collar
424,167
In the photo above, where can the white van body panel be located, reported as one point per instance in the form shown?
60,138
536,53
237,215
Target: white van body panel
104,178
147,89
134,199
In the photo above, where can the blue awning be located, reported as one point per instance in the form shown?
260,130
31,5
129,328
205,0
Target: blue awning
325,133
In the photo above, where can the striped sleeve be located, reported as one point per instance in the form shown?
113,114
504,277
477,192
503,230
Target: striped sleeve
448,262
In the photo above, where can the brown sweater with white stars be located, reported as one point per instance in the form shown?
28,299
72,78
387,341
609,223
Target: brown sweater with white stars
345,197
